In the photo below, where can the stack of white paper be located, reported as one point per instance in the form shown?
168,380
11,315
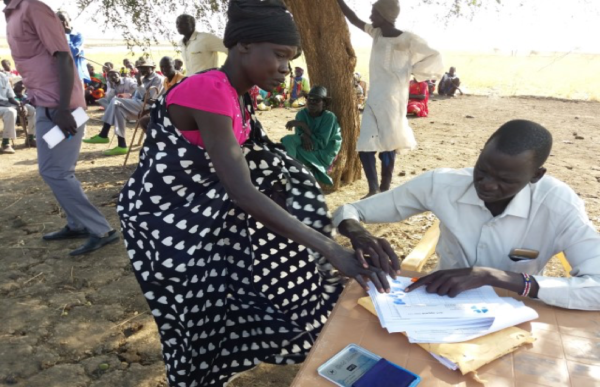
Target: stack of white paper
430,318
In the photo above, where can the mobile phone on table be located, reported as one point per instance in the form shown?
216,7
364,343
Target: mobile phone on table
354,366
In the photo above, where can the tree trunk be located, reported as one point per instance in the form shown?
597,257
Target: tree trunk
331,60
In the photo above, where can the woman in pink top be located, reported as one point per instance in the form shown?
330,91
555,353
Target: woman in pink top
230,238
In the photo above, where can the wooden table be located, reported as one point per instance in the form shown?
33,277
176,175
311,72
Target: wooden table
566,353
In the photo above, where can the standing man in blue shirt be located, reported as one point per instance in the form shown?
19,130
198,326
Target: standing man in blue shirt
75,40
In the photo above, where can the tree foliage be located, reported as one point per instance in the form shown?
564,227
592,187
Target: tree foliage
147,22
462,8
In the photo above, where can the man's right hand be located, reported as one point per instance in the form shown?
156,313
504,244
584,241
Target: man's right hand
65,121
291,124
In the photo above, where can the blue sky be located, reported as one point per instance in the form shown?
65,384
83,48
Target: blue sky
523,25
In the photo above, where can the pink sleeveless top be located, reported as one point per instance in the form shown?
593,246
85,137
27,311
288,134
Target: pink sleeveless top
211,92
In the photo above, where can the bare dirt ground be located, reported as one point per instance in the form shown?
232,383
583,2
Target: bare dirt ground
83,322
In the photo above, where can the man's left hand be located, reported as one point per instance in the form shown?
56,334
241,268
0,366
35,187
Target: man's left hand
65,121
453,282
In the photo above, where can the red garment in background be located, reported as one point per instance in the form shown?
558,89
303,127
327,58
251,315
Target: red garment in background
418,107
254,93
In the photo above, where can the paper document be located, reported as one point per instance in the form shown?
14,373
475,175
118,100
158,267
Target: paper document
430,318
510,314
54,136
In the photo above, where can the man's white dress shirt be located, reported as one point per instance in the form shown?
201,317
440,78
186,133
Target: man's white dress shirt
547,217
201,52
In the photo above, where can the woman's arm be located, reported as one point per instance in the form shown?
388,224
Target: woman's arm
232,169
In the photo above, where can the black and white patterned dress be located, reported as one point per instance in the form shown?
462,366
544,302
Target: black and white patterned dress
226,292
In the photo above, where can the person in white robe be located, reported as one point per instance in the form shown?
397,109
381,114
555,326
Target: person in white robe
396,57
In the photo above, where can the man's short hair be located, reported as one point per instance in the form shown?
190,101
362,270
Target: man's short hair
518,136
63,14
185,16
167,59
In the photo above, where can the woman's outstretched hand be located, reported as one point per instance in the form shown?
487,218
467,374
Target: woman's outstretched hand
346,262
370,250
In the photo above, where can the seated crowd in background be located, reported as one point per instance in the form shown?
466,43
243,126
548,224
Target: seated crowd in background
121,109
95,88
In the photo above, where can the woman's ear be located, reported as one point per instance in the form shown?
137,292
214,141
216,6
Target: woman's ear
244,47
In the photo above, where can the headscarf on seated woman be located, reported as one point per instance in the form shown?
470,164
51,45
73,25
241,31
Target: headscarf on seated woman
269,21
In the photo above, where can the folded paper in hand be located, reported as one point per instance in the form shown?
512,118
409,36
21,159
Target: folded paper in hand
54,136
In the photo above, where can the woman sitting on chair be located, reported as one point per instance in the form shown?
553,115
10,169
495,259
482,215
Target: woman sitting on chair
318,138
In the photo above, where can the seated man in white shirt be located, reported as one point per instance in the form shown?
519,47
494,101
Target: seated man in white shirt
9,111
506,202
117,86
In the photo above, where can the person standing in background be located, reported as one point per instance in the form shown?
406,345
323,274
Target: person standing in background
75,40
395,56
42,55
198,49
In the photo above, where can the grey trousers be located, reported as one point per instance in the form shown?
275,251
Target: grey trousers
104,102
57,168
119,111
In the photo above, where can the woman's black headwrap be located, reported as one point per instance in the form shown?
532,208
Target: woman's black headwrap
260,21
